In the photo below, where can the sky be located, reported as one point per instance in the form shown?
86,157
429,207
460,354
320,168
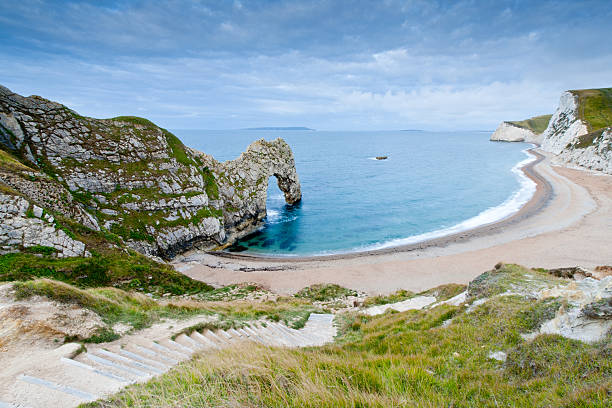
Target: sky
328,65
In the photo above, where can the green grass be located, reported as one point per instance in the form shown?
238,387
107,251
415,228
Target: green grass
178,149
595,107
442,292
135,120
584,141
40,249
291,311
402,359
111,304
394,297
129,272
11,163
537,124
324,292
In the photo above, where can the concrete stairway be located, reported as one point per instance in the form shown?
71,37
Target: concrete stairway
66,379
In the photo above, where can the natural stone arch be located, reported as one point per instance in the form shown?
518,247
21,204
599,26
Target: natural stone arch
243,183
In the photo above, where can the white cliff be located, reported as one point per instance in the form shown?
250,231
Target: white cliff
509,132
592,151
568,136
565,126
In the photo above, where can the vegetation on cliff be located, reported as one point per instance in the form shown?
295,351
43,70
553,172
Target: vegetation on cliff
595,107
132,181
537,124
442,356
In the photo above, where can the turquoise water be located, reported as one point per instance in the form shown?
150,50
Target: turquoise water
432,184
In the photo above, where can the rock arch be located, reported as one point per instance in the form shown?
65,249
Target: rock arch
243,184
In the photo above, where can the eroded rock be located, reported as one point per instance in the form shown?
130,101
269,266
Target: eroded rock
135,179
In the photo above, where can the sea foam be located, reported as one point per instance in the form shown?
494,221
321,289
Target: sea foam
491,215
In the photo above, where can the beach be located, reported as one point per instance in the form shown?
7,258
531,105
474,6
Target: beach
567,222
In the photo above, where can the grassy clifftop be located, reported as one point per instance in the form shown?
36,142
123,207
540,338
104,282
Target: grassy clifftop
595,107
439,357
537,124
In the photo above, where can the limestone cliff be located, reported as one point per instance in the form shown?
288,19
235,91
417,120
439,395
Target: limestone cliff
130,179
529,130
579,131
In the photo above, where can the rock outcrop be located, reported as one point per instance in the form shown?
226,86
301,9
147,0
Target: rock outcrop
127,177
508,132
579,132
26,226
592,151
528,130
565,125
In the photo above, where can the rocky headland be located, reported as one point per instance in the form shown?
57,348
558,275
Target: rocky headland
528,130
579,133
63,175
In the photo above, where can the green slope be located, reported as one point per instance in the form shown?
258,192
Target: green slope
410,359
537,124
595,107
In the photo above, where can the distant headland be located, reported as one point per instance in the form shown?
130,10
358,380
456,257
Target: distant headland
280,128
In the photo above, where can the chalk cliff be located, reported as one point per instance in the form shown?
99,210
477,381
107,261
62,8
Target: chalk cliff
528,130
129,180
579,131
508,132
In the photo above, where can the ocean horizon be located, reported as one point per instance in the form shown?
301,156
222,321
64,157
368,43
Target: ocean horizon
431,185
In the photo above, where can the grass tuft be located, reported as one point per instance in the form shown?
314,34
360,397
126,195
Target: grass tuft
324,292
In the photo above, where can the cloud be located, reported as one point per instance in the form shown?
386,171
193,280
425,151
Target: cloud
375,65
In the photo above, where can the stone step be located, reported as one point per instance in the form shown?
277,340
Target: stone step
197,336
67,376
187,341
236,334
162,348
277,338
78,394
127,361
224,334
284,336
29,394
154,354
215,337
93,369
178,347
113,366
143,359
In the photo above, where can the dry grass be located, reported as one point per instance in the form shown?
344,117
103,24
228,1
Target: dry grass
402,359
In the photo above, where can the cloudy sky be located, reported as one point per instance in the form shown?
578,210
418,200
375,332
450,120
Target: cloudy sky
383,64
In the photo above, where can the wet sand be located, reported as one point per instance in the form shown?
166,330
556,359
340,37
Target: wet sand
568,222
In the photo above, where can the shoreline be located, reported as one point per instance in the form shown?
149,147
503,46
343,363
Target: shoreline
568,222
538,200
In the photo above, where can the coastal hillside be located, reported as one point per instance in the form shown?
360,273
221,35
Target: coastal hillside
579,131
64,176
514,336
528,130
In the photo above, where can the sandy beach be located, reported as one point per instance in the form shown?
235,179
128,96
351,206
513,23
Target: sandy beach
568,222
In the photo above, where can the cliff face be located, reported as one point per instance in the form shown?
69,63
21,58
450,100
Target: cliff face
592,151
507,132
564,126
579,131
127,177
528,130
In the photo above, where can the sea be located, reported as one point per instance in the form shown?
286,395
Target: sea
432,184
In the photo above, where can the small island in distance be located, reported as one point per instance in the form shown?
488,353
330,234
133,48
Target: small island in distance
280,128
